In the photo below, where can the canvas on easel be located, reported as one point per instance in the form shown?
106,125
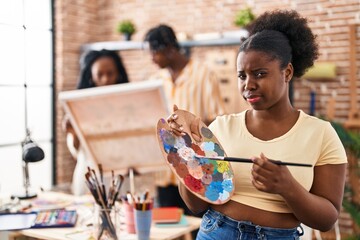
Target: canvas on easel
116,125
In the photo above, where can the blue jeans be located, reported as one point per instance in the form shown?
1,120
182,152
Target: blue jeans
215,225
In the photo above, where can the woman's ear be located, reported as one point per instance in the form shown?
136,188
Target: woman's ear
289,72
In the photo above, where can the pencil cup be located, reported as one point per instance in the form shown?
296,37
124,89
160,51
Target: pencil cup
143,224
106,223
129,217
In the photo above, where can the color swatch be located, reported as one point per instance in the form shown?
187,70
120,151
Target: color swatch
210,180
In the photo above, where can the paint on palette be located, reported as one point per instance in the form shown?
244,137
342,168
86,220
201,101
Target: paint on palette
212,179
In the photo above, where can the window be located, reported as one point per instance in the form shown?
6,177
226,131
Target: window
25,60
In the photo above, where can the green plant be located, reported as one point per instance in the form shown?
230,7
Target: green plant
126,27
244,17
351,141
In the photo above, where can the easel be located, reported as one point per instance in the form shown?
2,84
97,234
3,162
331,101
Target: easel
354,115
115,126
132,181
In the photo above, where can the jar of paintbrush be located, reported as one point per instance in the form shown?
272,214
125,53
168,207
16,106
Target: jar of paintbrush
106,211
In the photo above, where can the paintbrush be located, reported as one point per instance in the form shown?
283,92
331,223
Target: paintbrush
117,189
246,160
102,182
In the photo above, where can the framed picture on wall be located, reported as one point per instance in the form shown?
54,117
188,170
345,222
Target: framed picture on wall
116,124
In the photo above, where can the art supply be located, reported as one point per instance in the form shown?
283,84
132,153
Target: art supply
129,217
143,223
137,210
105,202
246,160
44,219
167,214
208,179
55,218
101,226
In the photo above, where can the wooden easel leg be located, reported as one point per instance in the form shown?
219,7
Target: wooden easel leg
132,181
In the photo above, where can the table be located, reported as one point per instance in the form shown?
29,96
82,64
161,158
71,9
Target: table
79,232
156,233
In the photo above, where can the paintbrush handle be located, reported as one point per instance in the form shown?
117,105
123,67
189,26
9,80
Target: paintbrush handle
233,159
291,164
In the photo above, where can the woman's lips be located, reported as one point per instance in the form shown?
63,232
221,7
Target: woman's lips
253,99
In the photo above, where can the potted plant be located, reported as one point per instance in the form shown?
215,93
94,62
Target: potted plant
127,28
244,17
351,203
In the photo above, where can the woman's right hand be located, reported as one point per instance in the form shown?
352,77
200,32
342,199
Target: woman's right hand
178,130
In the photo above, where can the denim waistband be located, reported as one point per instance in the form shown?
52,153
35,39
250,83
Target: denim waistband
247,226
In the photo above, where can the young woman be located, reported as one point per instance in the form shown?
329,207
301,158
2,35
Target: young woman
98,68
270,201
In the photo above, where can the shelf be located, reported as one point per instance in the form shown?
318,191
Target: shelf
226,39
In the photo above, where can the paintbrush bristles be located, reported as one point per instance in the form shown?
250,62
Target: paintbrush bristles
140,202
98,190
105,201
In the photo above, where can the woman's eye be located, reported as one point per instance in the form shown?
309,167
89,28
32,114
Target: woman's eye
260,74
242,77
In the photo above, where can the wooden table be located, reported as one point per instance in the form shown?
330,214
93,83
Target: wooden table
82,233
156,233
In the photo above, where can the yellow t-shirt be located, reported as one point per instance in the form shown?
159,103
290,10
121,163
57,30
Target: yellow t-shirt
310,140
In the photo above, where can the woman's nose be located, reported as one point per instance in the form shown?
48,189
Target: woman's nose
249,84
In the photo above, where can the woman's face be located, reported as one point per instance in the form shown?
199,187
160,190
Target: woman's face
104,72
262,82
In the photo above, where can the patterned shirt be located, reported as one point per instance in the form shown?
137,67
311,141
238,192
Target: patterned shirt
195,90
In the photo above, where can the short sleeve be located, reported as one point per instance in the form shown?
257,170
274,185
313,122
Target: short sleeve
332,149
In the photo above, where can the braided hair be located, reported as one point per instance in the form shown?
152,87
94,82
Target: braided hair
161,37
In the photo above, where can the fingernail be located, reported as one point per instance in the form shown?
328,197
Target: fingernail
181,128
175,116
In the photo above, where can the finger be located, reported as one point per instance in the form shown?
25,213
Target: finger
260,170
257,176
194,129
174,125
172,117
176,132
259,186
175,108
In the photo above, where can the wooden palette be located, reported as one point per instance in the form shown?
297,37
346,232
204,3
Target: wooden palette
210,180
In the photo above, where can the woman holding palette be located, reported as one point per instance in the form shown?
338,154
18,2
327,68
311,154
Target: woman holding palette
271,200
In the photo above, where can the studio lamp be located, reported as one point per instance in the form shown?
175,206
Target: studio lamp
31,152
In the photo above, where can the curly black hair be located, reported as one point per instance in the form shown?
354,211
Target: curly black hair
87,61
284,35
161,37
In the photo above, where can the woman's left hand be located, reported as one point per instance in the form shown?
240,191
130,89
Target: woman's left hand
269,177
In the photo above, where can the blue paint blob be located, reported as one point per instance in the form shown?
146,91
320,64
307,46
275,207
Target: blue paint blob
202,161
212,194
227,185
167,147
208,146
167,137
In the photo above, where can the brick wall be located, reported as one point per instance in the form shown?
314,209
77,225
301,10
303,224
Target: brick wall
83,21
